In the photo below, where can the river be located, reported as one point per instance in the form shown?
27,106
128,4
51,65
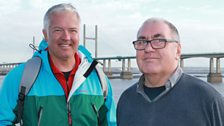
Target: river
119,85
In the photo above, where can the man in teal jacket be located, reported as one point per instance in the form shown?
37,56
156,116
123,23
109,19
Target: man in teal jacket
61,94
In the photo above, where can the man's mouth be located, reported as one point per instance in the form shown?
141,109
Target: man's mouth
64,45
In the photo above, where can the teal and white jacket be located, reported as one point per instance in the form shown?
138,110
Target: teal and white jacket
46,104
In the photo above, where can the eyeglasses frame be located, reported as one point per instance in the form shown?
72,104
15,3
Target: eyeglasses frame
149,41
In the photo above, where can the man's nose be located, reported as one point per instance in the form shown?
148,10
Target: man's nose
66,35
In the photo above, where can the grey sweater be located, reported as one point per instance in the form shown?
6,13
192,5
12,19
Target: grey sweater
191,102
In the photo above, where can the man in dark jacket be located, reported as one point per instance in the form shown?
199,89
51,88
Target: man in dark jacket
164,95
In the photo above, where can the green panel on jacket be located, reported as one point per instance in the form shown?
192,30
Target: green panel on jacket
39,109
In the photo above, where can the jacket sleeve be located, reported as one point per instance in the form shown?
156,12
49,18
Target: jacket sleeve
9,94
111,114
217,112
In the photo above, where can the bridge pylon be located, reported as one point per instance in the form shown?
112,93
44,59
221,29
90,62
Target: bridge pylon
214,76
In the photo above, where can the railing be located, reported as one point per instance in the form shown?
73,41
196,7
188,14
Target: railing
126,72
6,67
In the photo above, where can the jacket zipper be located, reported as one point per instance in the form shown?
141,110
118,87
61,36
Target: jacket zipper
69,108
69,114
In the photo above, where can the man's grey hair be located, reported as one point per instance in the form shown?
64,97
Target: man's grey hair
59,8
173,29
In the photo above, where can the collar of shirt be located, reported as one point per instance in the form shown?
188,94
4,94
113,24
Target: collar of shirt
169,84
66,85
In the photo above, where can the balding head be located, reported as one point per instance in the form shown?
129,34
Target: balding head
173,30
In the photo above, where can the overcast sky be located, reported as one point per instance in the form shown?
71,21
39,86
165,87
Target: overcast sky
200,23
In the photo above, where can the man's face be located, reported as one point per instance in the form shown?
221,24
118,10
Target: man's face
63,35
157,61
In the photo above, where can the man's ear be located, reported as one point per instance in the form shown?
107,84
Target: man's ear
45,34
178,53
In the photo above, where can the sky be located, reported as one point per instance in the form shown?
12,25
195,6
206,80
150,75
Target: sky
200,24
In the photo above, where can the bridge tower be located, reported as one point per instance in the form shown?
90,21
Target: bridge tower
214,76
126,73
90,38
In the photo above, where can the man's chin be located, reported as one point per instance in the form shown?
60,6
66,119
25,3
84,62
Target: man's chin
149,71
67,56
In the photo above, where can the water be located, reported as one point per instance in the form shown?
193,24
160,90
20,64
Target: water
120,85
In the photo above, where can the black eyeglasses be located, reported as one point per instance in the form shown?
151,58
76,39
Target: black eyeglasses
155,43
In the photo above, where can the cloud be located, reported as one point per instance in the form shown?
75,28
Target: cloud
200,24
